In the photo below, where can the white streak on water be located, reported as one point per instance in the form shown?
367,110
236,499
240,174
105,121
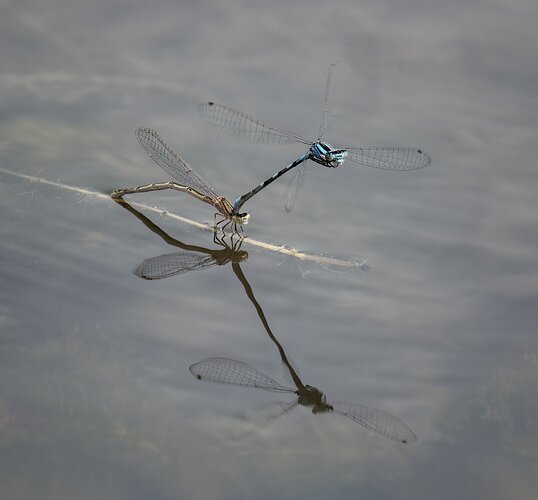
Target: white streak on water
322,260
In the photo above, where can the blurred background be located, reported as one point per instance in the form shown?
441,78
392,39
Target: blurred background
96,397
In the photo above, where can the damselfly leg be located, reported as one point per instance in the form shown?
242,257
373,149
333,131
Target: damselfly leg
187,180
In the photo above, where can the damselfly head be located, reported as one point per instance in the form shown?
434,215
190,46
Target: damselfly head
322,407
338,156
231,253
320,148
324,154
240,256
314,398
241,218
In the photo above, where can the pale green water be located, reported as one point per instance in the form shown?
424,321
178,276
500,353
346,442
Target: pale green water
96,398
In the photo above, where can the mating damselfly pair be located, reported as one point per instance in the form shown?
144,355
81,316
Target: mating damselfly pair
249,128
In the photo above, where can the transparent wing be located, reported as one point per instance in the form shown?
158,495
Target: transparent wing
387,158
290,196
267,412
383,423
172,264
242,125
170,162
328,101
230,371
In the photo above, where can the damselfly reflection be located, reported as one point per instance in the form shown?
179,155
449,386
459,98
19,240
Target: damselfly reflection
233,372
322,261
188,181
194,259
332,156
229,371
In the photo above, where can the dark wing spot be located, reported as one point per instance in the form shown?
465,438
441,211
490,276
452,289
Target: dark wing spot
210,103
199,377
420,151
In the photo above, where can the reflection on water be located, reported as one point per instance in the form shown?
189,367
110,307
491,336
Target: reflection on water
233,372
323,261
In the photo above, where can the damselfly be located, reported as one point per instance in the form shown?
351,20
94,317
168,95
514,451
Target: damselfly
233,372
188,181
331,156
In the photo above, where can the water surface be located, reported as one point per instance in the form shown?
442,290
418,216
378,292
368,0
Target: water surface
96,396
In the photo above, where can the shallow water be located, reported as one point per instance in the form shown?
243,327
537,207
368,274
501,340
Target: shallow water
438,329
